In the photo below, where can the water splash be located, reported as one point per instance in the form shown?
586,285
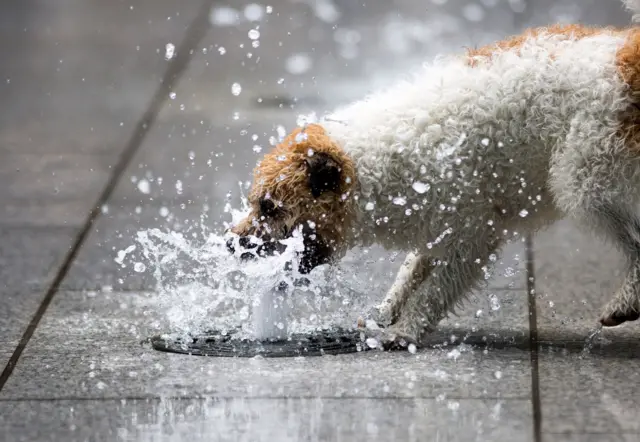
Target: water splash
200,286
591,340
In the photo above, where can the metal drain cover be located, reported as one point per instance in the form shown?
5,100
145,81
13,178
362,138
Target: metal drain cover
214,343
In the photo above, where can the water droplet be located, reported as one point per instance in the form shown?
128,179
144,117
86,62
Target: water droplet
139,267
372,342
479,313
254,12
369,206
224,16
473,12
222,50
412,349
420,187
236,89
143,186
523,213
169,51
297,64
498,374
494,302
257,149
399,201
164,212
485,142
172,95
254,34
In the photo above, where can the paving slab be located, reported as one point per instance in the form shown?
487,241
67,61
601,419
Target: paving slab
77,89
584,388
29,260
76,83
50,189
267,420
576,274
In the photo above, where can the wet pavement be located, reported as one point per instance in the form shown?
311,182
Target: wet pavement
103,98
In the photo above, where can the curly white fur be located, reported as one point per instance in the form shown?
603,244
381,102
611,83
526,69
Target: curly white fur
454,161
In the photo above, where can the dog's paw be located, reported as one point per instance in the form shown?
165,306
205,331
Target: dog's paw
380,314
616,313
388,339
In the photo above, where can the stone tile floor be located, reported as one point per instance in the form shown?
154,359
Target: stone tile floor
104,98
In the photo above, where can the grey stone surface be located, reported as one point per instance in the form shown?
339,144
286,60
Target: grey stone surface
317,419
77,89
88,345
589,394
576,274
50,189
77,84
586,386
29,259
5,351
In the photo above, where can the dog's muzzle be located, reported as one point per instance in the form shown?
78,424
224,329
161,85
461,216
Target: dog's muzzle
316,251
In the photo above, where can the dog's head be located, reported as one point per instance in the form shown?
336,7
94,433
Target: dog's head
305,183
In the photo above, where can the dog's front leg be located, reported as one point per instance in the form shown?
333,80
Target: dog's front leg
414,270
451,280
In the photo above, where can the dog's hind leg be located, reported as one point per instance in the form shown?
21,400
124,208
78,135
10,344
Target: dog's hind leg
414,270
594,180
623,225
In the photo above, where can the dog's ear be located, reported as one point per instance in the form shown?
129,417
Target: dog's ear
324,174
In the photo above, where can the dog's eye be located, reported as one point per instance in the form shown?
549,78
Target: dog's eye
268,208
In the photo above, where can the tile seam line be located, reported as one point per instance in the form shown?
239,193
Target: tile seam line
261,398
194,34
533,340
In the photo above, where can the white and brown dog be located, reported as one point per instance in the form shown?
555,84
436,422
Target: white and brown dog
511,136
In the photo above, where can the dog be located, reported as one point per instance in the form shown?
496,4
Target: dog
448,165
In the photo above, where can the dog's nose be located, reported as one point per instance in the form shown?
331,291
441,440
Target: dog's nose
230,246
245,242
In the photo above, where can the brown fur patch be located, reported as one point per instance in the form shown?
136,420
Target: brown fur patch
628,63
564,32
283,176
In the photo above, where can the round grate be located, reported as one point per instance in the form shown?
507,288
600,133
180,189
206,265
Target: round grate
214,343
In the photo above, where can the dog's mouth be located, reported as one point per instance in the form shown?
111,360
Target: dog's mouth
316,251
